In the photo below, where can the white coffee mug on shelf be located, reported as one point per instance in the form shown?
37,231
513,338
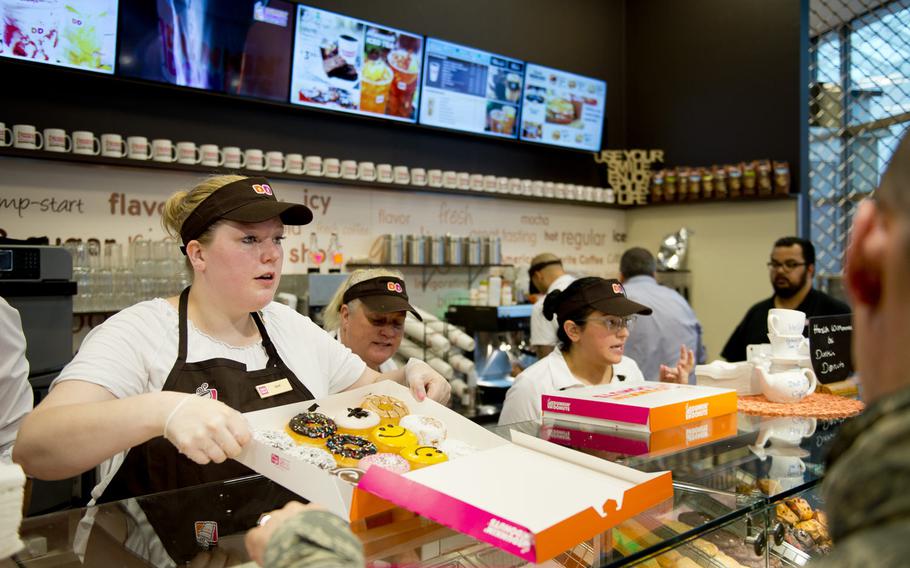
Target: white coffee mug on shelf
113,146
6,135
434,178
559,191
450,179
163,150
137,148
537,188
211,155
233,157
57,140
401,175
332,167
384,173
418,176
276,162
295,163
349,169
255,159
366,171
515,186
313,166
188,153
490,183
786,322
598,195
26,137
85,142
502,184
463,180
526,187
549,189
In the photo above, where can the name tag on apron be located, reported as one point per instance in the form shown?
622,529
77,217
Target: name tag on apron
275,387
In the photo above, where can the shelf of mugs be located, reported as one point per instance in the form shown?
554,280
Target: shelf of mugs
427,271
25,141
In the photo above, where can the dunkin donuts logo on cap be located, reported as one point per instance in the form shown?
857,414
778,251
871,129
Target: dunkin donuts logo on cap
394,287
617,288
262,188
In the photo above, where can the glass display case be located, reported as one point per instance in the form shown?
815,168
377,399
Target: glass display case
733,490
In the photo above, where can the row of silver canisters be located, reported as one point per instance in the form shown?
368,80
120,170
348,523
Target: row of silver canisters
441,250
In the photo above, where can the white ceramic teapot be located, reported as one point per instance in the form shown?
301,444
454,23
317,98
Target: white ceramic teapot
786,430
787,386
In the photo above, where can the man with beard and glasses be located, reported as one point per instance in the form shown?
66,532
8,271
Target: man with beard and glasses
791,268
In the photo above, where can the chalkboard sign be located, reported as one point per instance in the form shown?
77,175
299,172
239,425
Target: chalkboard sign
829,346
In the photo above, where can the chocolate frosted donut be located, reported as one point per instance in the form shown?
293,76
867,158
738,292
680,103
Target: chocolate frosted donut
724,539
350,446
312,425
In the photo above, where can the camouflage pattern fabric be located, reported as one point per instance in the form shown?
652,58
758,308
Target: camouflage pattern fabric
315,539
867,487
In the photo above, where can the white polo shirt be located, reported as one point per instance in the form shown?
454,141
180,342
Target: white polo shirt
549,376
543,331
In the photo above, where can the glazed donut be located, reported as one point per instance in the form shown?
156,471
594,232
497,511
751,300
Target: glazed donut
311,428
348,449
389,408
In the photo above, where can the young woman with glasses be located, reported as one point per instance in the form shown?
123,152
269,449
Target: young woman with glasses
595,318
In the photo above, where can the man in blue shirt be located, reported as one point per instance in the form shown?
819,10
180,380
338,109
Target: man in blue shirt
655,340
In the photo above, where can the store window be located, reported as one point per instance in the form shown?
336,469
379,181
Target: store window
859,109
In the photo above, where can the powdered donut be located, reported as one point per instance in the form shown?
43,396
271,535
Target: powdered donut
313,455
430,431
456,448
274,438
391,462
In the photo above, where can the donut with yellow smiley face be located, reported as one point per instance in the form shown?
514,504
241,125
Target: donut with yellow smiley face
392,438
422,456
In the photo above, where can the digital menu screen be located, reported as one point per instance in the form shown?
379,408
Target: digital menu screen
239,47
562,108
70,33
346,64
470,90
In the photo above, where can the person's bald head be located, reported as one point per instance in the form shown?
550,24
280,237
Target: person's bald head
545,268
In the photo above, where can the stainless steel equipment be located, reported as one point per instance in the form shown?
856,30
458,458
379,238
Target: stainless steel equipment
501,335
313,291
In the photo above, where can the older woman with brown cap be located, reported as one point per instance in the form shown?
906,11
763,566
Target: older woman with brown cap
156,392
595,318
367,315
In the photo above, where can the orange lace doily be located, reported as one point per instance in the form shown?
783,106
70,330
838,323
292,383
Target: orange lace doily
817,405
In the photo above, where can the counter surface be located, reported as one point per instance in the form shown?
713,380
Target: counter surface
729,484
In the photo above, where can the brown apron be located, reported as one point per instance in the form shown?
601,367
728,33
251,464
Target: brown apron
156,465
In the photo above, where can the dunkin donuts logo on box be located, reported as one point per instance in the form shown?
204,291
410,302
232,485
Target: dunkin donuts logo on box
558,405
262,188
508,533
394,287
696,410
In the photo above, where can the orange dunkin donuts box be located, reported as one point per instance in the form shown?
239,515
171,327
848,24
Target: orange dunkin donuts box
632,443
527,496
647,407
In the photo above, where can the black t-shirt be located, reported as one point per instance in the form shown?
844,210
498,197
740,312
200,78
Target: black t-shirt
754,326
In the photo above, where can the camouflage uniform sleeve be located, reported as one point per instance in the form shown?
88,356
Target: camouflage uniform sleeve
316,539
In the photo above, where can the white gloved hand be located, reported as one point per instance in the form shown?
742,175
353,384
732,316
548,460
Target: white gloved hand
424,381
206,430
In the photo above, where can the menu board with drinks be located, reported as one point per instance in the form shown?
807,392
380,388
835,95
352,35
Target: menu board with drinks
470,90
239,47
347,64
81,34
562,108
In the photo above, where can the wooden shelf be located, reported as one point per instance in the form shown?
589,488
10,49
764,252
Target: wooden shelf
209,170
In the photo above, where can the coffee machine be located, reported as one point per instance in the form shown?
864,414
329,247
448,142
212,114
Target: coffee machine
38,282
502,348
313,291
